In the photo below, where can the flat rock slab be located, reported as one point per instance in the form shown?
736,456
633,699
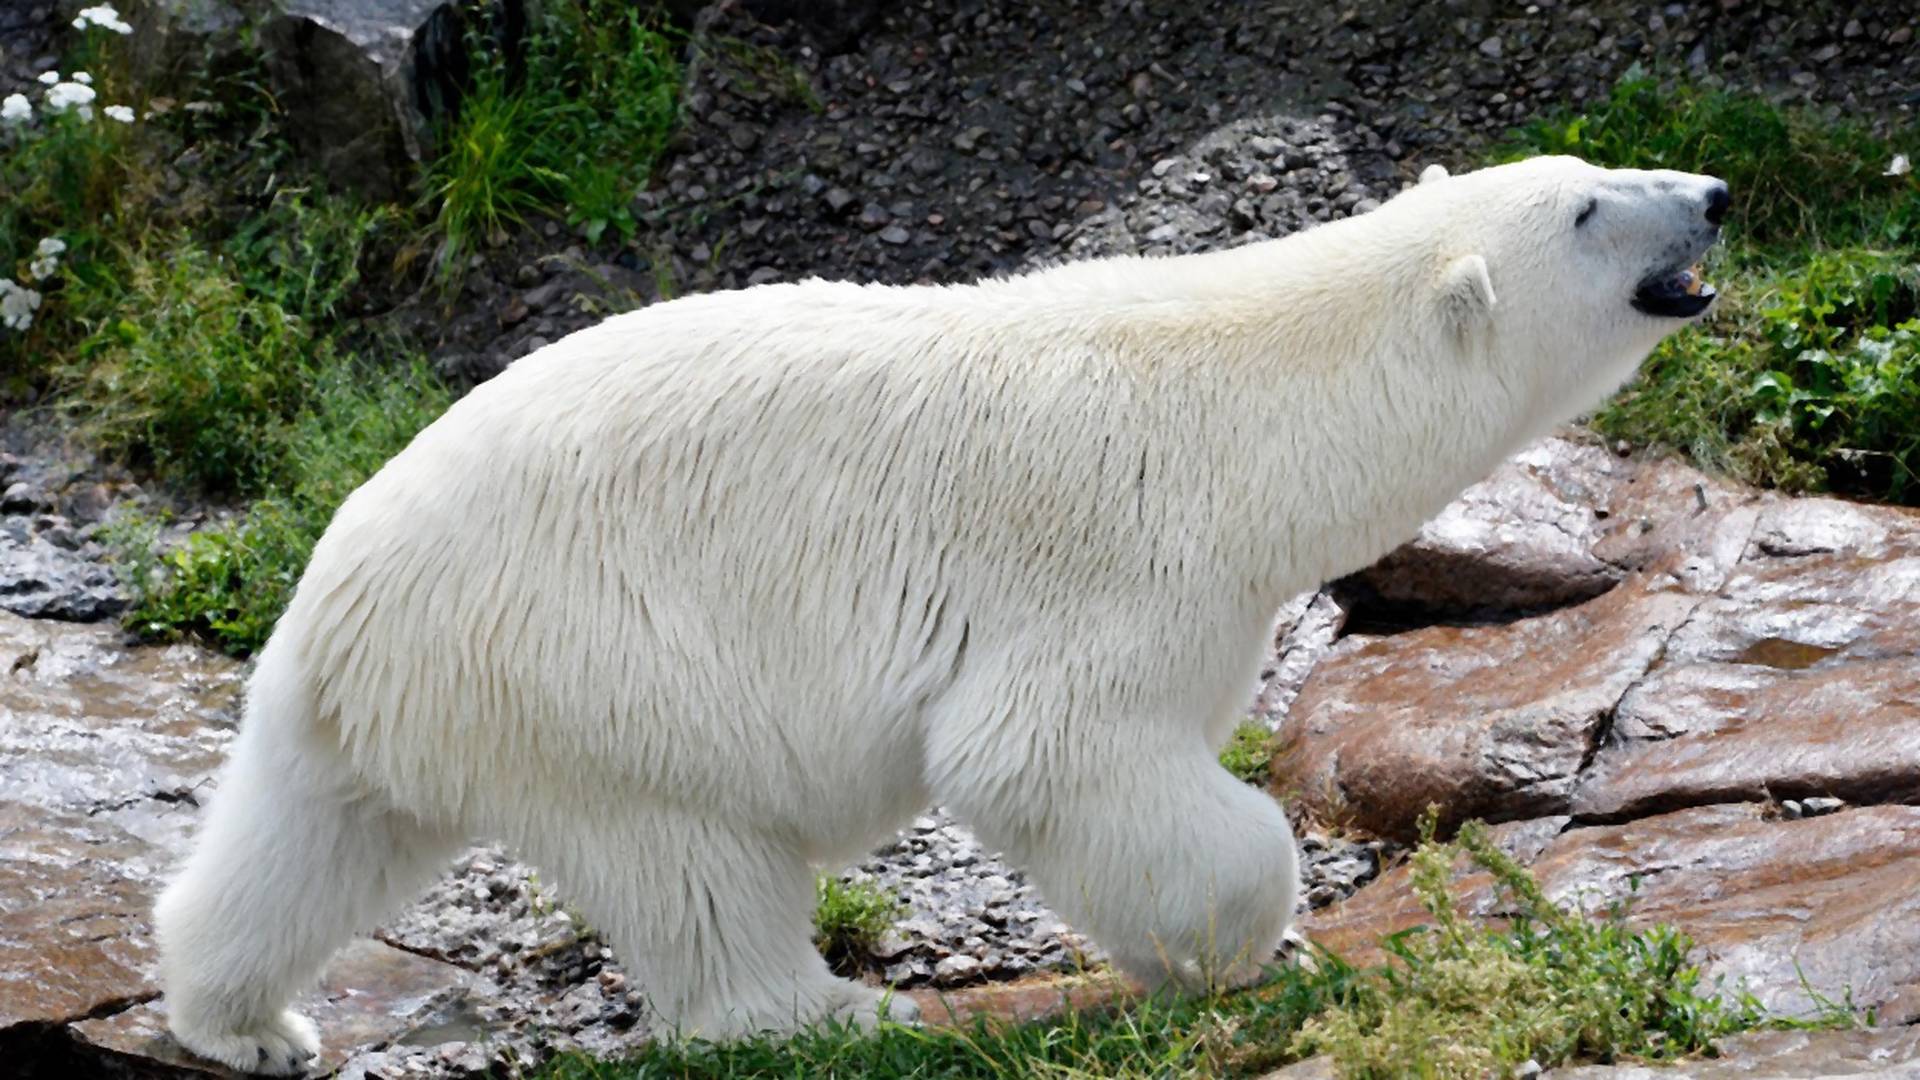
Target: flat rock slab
1801,677
1754,647
1487,721
1024,1000
1767,901
104,751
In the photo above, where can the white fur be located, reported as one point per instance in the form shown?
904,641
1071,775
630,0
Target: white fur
730,587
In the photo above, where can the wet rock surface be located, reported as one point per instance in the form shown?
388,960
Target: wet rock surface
1767,899
1732,726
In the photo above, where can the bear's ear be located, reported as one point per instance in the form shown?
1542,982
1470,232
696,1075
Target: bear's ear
1467,290
1433,172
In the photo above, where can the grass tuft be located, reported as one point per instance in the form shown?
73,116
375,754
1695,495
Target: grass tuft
573,131
1249,753
230,583
1463,1000
849,918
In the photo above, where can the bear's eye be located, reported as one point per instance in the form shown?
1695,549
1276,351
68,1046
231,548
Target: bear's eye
1586,212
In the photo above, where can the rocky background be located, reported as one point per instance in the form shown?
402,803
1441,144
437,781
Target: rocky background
1652,679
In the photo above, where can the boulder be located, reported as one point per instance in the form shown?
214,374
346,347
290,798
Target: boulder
360,80
1485,721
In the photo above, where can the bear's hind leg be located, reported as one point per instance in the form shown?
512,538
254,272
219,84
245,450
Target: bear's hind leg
714,919
292,860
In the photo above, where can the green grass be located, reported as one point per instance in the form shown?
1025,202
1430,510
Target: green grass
1457,998
573,132
228,584
849,918
1249,752
1807,374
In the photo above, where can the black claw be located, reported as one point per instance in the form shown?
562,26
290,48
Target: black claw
263,1055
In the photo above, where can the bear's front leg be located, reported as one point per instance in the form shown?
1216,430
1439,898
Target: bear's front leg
1181,872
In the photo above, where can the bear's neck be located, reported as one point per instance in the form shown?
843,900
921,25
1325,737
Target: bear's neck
1332,414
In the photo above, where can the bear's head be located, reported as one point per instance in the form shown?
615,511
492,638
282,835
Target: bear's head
1573,270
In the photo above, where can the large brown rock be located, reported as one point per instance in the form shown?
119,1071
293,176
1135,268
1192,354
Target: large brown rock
1800,678
1768,901
1487,721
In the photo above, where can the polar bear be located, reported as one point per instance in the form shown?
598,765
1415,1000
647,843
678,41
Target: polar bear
726,589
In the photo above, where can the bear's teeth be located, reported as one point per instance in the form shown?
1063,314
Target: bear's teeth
1692,281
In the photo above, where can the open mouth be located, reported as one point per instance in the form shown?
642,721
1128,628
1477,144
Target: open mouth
1680,294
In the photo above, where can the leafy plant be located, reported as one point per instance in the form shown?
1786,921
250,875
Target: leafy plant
1249,752
230,583
1467,1000
574,130
849,918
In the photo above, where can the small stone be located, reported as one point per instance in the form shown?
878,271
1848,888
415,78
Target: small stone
955,968
895,235
1491,48
838,199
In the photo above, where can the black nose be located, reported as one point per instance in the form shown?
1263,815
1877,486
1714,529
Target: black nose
1717,200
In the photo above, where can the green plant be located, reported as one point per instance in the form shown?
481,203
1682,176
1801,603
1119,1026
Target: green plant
572,131
849,918
1249,752
187,370
230,583
1462,999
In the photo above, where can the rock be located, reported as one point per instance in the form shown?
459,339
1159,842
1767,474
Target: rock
1523,539
359,79
1488,721
100,756
1872,1054
1304,631
1027,999
44,576
1797,679
1766,900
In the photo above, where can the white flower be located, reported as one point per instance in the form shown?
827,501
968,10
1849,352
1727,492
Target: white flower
48,261
102,16
119,112
49,77
15,108
17,304
81,77
71,95
1899,166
